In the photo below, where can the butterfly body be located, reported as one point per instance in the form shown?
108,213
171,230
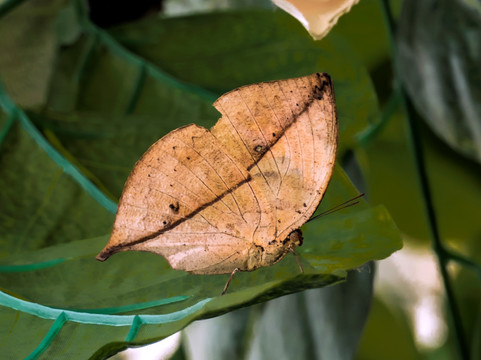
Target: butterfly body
234,196
259,256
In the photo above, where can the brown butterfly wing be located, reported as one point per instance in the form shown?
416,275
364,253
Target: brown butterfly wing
285,134
201,198
189,201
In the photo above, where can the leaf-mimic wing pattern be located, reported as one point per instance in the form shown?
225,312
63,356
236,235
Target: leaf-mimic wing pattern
210,201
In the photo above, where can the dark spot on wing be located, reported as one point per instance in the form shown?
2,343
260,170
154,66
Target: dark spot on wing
174,208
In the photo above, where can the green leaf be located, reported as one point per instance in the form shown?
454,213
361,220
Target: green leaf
41,204
439,52
103,122
372,50
26,61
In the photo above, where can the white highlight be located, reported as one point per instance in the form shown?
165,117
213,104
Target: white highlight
410,277
161,350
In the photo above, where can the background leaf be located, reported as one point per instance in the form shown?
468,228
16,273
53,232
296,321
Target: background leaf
49,207
439,56
26,61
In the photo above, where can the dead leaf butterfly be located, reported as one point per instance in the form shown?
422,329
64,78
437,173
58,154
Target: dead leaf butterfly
233,197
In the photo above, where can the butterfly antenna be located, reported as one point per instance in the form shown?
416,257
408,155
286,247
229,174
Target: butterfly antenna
344,205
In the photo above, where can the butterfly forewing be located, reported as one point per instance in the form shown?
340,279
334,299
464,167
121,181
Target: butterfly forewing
285,133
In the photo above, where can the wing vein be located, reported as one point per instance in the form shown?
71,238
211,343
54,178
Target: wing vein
163,213
177,182
265,140
255,163
284,135
297,132
220,177
203,183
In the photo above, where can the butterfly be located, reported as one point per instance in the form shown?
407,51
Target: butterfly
235,196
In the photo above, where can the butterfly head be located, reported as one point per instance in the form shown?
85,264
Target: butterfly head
294,238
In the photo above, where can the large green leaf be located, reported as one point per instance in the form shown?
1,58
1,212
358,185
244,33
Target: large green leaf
439,52
105,106
41,204
26,61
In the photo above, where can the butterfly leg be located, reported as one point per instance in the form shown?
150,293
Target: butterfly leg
228,281
297,259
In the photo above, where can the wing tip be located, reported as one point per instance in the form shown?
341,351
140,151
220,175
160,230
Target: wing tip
107,252
103,255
